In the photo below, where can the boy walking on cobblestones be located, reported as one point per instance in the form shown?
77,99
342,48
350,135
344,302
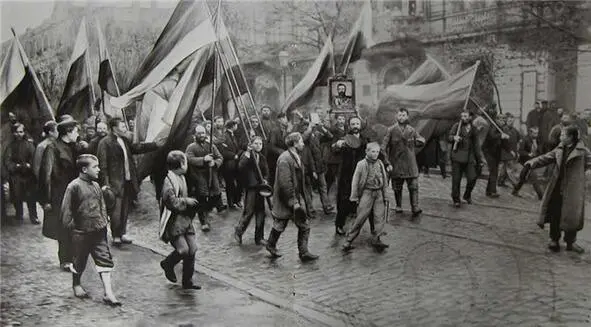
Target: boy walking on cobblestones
367,189
84,213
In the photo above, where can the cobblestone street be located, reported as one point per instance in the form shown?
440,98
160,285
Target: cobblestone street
36,293
483,265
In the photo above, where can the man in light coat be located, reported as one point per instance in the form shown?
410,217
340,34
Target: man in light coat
563,205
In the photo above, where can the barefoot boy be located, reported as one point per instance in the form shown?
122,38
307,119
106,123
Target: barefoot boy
367,189
84,213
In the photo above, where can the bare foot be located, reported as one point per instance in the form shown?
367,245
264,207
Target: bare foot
79,292
111,300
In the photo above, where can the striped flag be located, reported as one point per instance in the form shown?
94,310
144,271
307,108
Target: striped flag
21,93
318,74
361,37
106,78
76,97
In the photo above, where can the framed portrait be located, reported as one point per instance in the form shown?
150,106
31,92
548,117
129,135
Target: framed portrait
341,95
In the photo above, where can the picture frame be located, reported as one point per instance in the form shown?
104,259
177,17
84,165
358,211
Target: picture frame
341,95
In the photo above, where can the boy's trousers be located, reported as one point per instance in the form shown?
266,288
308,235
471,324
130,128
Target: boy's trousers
95,244
370,201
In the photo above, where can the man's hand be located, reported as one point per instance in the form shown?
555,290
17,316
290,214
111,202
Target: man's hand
504,136
28,165
160,142
340,143
457,138
212,163
208,158
355,201
528,164
247,154
315,175
389,168
235,156
47,207
513,154
105,187
191,202
296,206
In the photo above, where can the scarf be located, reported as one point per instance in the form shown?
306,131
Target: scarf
165,215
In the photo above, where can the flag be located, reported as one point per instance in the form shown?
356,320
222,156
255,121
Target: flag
442,100
319,72
20,93
430,71
361,37
189,29
106,79
76,99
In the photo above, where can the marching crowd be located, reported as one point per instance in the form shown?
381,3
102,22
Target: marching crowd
88,182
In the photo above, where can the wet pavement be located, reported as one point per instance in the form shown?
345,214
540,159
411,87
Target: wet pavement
36,293
483,265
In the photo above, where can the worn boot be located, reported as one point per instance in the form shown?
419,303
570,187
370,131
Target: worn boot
204,221
414,203
168,265
398,198
272,243
188,270
305,255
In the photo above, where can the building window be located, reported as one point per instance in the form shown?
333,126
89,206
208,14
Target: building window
457,6
366,90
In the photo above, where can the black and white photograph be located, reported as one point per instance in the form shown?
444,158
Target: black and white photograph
243,163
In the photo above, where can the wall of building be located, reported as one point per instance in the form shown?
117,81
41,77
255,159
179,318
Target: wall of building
583,81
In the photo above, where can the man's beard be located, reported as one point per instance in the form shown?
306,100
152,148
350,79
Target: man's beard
342,94
403,121
200,139
101,134
355,130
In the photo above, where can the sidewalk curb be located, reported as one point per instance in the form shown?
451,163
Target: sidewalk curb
308,311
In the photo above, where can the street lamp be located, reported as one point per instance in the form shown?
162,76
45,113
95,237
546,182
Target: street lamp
284,63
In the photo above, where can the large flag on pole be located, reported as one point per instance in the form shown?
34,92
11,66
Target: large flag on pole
319,72
361,37
76,97
106,78
189,29
21,93
430,71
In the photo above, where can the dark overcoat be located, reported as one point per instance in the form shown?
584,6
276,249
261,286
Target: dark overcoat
289,186
58,169
468,149
18,160
399,148
198,174
112,164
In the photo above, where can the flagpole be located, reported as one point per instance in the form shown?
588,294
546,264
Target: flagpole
89,72
27,63
108,55
349,57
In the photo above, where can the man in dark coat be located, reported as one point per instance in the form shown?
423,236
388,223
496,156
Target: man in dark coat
204,162
118,171
399,147
534,117
494,142
550,119
276,144
465,157
509,155
563,205
289,199
350,155
18,160
231,150
102,131
529,148
251,163
58,169
51,135
333,158
267,122
553,138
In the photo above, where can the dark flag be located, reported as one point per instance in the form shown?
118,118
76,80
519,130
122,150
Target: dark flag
21,94
106,78
76,98
361,37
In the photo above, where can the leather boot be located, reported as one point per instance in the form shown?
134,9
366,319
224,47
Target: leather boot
272,243
414,203
305,255
188,270
168,265
398,198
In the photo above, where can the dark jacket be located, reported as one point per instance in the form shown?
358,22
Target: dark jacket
18,160
248,172
83,208
512,142
349,159
93,144
58,169
534,119
468,150
493,144
332,157
198,175
527,150
112,165
231,149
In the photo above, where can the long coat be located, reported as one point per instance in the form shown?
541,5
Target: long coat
198,175
572,184
58,169
468,149
21,177
289,186
231,150
399,147
349,159
112,165
248,173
